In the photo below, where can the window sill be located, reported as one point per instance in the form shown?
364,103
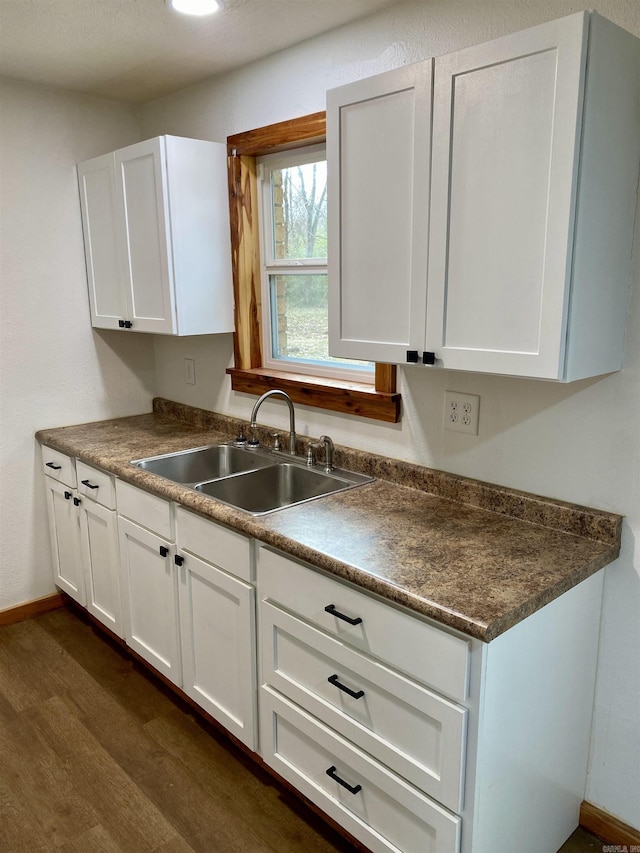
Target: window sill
352,398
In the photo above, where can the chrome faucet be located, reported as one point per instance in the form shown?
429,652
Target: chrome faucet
292,416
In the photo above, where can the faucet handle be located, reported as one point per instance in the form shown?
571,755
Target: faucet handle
276,441
328,452
241,438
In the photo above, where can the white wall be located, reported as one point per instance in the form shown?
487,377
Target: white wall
54,370
579,443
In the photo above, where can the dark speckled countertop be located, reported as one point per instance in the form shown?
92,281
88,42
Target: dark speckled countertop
471,555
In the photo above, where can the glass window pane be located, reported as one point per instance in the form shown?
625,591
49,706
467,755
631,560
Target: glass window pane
299,324
299,198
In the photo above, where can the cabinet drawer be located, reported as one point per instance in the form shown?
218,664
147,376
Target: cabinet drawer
411,730
431,655
224,548
97,485
59,466
148,510
381,809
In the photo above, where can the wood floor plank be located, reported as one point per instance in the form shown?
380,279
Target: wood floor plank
23,680
18,833
37,777
123,810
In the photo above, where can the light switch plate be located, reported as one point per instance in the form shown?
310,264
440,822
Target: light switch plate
190,371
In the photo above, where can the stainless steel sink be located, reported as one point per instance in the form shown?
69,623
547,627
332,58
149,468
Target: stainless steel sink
256,481
278,486
189,467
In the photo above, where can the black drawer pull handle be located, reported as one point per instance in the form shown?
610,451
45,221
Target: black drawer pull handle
88,485
67,496
163,551
53,465
353,789
178,560
357,694
331,608
77,501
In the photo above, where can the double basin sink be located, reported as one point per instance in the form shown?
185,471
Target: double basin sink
256,481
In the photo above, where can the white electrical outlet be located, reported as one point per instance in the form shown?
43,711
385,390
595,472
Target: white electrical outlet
190,371
461,412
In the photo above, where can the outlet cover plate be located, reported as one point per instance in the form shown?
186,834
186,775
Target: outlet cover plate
461,412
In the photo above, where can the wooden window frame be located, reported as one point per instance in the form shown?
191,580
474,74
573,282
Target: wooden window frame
380,401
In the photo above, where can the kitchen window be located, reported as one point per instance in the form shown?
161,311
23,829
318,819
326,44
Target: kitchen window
255,369
293,248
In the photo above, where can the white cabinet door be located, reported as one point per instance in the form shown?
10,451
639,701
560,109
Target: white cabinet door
506,136
217,627
157,240
99,541
64,529
141,181
103,235
532,213
150,597
378,150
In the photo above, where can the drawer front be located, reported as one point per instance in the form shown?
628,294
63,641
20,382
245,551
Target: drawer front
59,466
214,543
147,510
378,807
408,728
97,485
429,654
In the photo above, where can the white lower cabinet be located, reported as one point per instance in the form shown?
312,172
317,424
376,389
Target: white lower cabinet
415,738
352,710
64,531
189,605
217,623
99,546
82,523
146,530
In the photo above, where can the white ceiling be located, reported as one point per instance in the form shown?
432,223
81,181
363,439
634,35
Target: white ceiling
138,50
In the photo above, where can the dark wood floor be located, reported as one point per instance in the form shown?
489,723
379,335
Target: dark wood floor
98,755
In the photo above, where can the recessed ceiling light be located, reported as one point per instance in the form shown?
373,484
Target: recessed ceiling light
196,7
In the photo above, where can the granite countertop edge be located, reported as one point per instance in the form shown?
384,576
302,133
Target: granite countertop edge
111,445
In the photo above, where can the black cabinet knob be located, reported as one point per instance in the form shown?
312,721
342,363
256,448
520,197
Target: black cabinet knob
67,496
413,356
178,560
428,358
77,501
163,551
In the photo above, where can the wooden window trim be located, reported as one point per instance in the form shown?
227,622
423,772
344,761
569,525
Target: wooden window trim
380,401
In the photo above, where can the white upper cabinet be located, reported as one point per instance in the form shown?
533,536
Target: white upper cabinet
156,227
535,165
378,151
534,168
